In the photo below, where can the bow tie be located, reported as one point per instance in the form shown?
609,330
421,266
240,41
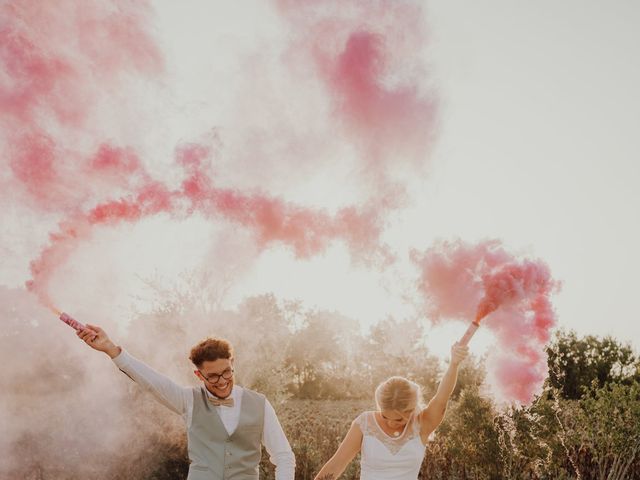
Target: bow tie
225,402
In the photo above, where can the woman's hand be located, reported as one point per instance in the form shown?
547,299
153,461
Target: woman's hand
98,339
458,353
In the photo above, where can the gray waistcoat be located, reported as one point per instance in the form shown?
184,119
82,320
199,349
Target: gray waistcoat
216,455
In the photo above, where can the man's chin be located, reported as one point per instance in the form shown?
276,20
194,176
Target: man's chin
223,392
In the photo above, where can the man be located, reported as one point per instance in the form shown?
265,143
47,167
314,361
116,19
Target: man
226,424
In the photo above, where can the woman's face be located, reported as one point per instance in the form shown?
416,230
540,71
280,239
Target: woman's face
396,419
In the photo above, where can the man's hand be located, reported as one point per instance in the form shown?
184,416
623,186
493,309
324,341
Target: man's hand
98,339
458,354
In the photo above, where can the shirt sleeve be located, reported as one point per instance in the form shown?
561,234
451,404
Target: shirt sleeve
175,397
362,422
277,445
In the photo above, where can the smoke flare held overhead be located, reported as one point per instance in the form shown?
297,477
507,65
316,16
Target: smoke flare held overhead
461,281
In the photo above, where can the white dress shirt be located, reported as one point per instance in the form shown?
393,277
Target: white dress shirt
180,400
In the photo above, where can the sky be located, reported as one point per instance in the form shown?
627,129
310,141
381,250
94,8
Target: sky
535,144
539,129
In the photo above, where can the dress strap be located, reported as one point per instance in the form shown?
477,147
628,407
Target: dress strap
416,424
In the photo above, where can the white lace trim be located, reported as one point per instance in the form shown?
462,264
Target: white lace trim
369,426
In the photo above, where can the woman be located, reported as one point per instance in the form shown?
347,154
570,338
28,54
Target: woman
393,438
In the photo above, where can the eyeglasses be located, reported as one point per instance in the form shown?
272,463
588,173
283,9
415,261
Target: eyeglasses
213,379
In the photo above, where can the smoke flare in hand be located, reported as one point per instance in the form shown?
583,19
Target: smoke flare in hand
461,281
72,322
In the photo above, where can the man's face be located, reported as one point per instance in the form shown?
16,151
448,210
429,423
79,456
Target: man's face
213,375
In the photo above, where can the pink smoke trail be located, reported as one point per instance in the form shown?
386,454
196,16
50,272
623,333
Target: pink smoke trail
307,231
369,58
58,67
56,71
463,281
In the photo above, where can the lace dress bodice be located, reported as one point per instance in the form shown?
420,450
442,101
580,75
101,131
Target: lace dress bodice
384,457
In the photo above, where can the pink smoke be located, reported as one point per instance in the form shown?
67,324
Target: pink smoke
369,58
57,71
272,220
60,62
470,282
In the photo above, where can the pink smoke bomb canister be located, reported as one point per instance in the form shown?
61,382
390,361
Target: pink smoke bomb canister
484,309
72,322
469,333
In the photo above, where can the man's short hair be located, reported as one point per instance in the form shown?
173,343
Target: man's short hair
211,349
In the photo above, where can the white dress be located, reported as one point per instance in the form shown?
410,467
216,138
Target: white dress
384,457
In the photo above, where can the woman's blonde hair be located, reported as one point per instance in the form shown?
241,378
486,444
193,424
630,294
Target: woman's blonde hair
400,394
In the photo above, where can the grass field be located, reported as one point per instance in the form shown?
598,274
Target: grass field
315,428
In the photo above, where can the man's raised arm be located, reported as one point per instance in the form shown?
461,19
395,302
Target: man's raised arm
166,391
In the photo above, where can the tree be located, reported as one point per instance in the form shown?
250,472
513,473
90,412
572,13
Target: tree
575,363
320,355
466,444
395,347
610,430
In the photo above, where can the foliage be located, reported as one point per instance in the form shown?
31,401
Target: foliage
319,370
575,363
